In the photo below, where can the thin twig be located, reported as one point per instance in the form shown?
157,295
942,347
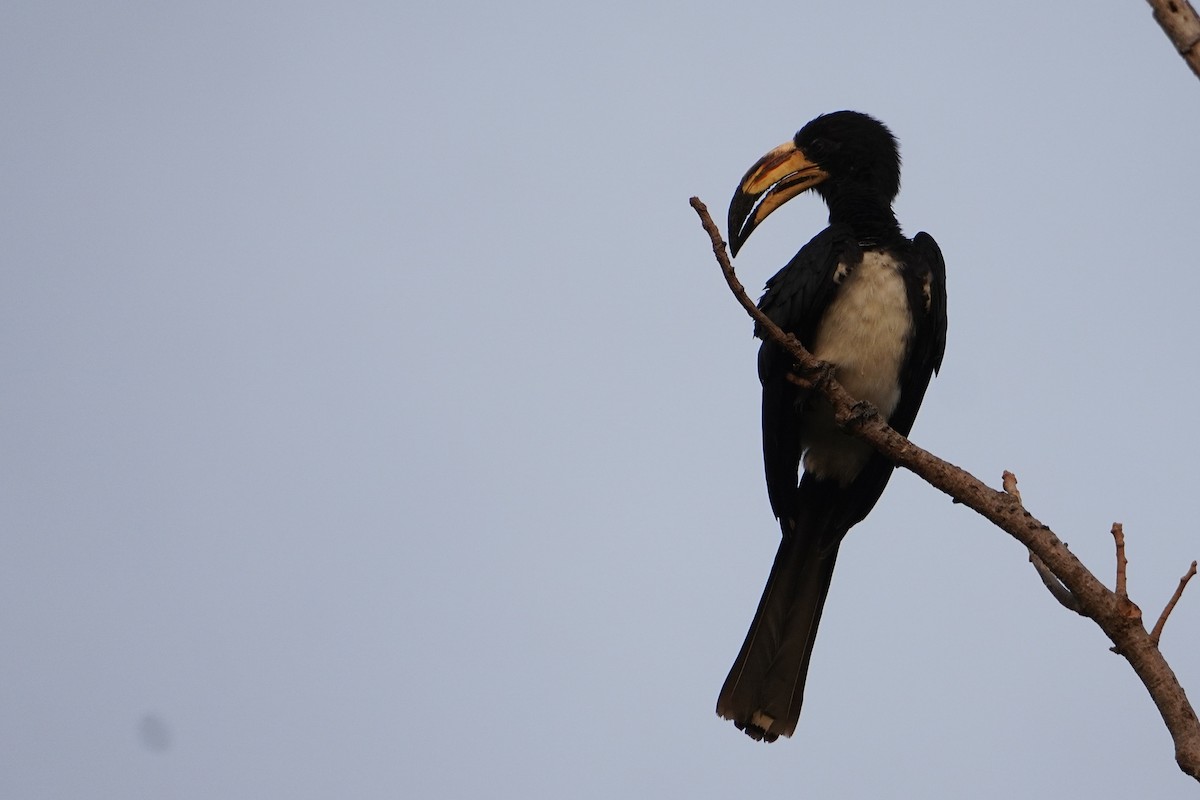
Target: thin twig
1162,618
1118,533
1060,593
1006,512
1127,606
816,373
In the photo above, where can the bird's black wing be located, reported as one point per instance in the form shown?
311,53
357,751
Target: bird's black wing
927,299
795,299
796,296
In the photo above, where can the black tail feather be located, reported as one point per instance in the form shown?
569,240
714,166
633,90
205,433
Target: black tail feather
765,688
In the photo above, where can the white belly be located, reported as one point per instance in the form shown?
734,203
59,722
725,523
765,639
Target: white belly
865,333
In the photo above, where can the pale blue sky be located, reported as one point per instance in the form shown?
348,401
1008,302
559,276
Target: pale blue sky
376,423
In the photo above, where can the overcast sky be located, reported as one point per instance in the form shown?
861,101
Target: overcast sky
375,422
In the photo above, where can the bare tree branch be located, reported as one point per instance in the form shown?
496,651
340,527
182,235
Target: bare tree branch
1004,509
1180,22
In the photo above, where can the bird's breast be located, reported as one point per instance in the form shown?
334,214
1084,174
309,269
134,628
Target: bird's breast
865,332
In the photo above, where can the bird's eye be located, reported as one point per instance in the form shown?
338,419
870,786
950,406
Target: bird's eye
820,146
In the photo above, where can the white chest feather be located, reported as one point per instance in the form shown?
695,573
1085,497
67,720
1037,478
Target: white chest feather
865,333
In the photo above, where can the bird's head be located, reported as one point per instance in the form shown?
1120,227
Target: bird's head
844,155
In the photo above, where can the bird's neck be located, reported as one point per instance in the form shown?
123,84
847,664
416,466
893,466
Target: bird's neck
870,217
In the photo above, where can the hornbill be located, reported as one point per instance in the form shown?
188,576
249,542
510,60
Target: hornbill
870,302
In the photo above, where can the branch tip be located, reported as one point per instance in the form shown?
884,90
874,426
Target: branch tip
1009,482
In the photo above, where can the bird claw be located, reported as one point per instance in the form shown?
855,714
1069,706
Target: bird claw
811,377
861,411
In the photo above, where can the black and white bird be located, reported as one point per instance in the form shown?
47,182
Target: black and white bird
871,302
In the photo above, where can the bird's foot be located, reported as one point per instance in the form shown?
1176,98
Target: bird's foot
811,377
860,412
